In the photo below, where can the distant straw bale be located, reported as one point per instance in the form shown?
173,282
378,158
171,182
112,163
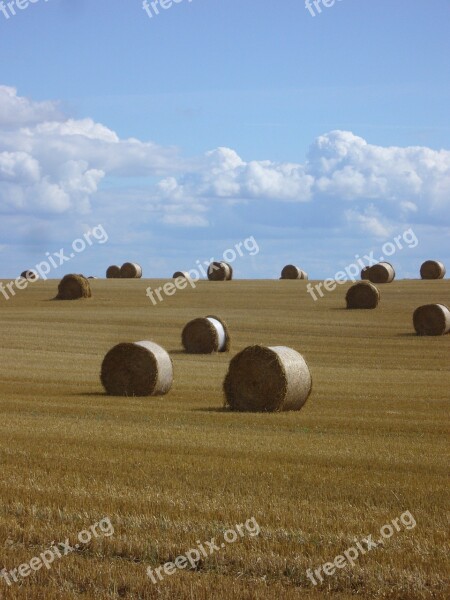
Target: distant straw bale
362,295
113,272
382,272
293,272
219,271
73,287
432,269
206,335
130,271
365,274
30,275
183,274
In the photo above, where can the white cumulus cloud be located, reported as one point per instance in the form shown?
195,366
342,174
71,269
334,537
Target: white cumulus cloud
372,184
53,164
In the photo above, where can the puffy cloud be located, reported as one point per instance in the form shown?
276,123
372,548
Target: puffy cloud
16,111
224,174
372,184
54,164
346,166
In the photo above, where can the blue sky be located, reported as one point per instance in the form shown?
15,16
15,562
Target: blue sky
218,120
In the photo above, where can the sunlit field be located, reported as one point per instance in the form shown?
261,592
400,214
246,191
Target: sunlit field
171,472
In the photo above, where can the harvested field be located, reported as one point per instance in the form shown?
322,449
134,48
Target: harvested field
370,443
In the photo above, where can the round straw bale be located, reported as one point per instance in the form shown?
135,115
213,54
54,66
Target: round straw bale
206,335
432,319
92,277
362,295
30,275
182,274
432,269
113,272
72,287
219,271
137,369
291,272
365,273
382,272
130,271
267,379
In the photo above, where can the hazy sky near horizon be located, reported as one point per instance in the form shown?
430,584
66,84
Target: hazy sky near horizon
185,133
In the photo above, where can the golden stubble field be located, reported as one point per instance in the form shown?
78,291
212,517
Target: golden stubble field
370,444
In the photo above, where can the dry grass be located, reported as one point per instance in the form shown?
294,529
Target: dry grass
369,444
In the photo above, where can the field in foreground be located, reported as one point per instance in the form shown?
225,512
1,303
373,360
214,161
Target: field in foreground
171,472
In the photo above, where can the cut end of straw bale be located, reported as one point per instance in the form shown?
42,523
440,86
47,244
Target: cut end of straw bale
432,269
137,369
130,271
182,274
73,287
293,272
206,335
362,295
113,272
220,271
432,319
230,272
267,379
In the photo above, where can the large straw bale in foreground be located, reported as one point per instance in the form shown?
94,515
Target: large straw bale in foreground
73,287
362,295
432,269
267,379
137,369
432,319
206,335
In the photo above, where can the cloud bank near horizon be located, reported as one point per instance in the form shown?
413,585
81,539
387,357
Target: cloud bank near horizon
55,168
